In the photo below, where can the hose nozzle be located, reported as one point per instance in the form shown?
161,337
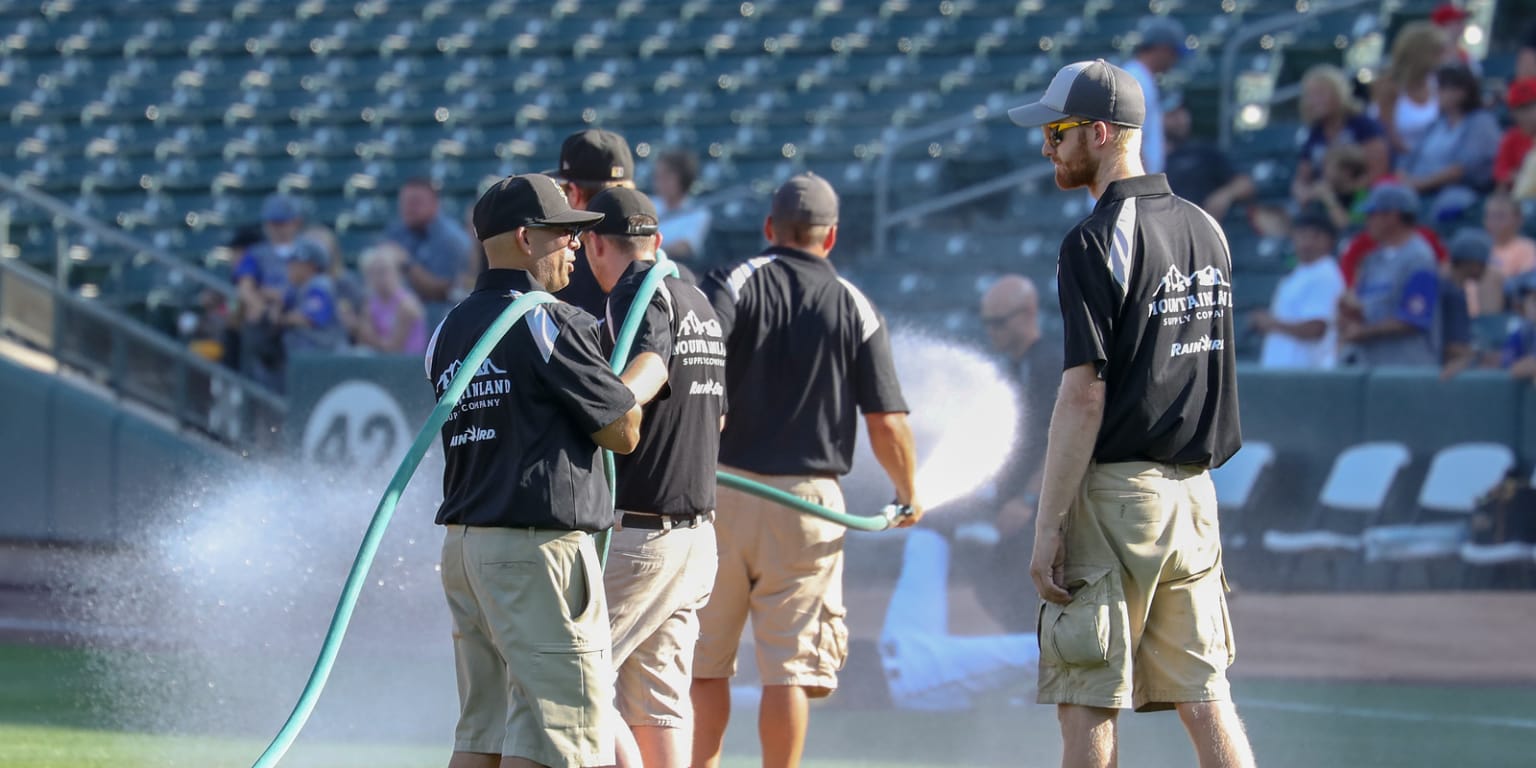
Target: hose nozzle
895,513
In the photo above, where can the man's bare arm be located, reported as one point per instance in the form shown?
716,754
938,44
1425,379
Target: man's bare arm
890,437
1074,431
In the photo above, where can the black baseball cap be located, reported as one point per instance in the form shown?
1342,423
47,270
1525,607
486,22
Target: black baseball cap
1315,217
1096,90
625,212
529,200
805,199
595,155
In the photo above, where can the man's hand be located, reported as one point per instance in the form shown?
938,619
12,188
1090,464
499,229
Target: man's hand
1015,515
1045,567
907,521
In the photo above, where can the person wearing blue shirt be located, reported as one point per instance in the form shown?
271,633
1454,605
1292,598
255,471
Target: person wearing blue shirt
438,247
308,318
1388,319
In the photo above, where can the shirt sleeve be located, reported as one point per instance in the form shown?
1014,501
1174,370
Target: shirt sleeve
1416,306
319,308
1456,321
1476,151
1089,302
719,294
579,377
1364,129
876,389
1321,299
654,333
445,253
1506,162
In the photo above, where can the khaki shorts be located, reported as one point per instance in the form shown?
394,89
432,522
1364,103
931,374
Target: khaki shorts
530,641
1148,625
785,570
656,583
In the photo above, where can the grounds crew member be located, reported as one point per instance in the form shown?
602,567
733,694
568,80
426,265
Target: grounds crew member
1127,545
661,560
522,489
590,162
804,349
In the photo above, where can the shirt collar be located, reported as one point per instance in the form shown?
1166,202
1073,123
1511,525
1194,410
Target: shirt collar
1135,186
636,267
783,251
507,280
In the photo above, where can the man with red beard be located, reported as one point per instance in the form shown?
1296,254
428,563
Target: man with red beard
1127,547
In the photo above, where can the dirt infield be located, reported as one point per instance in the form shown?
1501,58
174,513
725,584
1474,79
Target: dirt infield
1426,637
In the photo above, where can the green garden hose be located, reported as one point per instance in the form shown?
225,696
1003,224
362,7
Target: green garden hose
381,516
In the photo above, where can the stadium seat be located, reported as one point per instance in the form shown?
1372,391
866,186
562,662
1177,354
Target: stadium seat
1237,483
1458,477
1351,499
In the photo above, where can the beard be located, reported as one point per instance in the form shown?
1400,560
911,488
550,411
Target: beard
1078,172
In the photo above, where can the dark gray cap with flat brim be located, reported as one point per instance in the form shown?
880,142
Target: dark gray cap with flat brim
529,200
1092,90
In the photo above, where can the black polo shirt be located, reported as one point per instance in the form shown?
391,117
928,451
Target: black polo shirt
804,349
584,292
1146,297
672,471
518,450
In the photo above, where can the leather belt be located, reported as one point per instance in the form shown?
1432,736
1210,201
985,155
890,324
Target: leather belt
650,522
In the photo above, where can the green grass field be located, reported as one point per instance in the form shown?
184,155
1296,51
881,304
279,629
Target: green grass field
46,722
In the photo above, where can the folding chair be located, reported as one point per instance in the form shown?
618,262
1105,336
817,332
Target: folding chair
1351,499
1237,482
1458,476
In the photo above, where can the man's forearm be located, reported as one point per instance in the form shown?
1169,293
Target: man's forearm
1387,328
890,438
1074,430
645,376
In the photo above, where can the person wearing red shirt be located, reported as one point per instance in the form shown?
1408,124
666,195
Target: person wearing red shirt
1517,141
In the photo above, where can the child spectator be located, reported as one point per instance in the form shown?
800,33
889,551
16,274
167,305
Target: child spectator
1515,147
308,319
1342,190
1452,332
349,290
1519,353
1333,119
1299,328
1453,162
394,321
1513,254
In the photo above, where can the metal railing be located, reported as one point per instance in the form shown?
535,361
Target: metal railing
135,361
887,219
1256,31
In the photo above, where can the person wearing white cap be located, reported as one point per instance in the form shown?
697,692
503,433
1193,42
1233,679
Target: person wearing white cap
1127,548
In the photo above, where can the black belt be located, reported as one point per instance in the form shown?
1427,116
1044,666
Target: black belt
662,522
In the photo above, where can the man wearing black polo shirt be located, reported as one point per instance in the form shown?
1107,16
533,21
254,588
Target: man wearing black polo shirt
1127,546
661,560
804,349
522,491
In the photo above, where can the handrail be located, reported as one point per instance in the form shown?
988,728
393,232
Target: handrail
1258,29
894,140
973,192
53,205
139,334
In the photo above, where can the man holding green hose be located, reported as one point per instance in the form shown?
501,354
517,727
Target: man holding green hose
806,352
522,491
661,560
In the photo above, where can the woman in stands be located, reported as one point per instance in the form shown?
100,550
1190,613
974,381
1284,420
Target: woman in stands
393,318
1333,119
1406,97
1452,165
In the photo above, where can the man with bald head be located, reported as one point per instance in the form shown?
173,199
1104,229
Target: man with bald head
1010,310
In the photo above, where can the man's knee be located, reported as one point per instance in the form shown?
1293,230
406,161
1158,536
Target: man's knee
1205,713
1077,714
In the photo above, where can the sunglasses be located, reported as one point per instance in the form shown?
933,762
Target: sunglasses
1054,131
571,235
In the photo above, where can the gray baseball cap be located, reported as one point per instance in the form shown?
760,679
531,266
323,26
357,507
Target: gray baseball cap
1096,90
805,199
1392,198
1157,31
1472,245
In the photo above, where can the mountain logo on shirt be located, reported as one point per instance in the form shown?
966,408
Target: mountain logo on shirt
1177,281
487,368
693,326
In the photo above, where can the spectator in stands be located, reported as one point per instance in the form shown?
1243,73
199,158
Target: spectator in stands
1514,157
1452,163
1519,353
1333,119
1525,58
308,316
1010,310
1513,254
1453,322
261,281
1159,48
437,246
1300,328
349,290
1340,193
1387,318
393,319
1452,19
1404,98
683,227
1198,170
